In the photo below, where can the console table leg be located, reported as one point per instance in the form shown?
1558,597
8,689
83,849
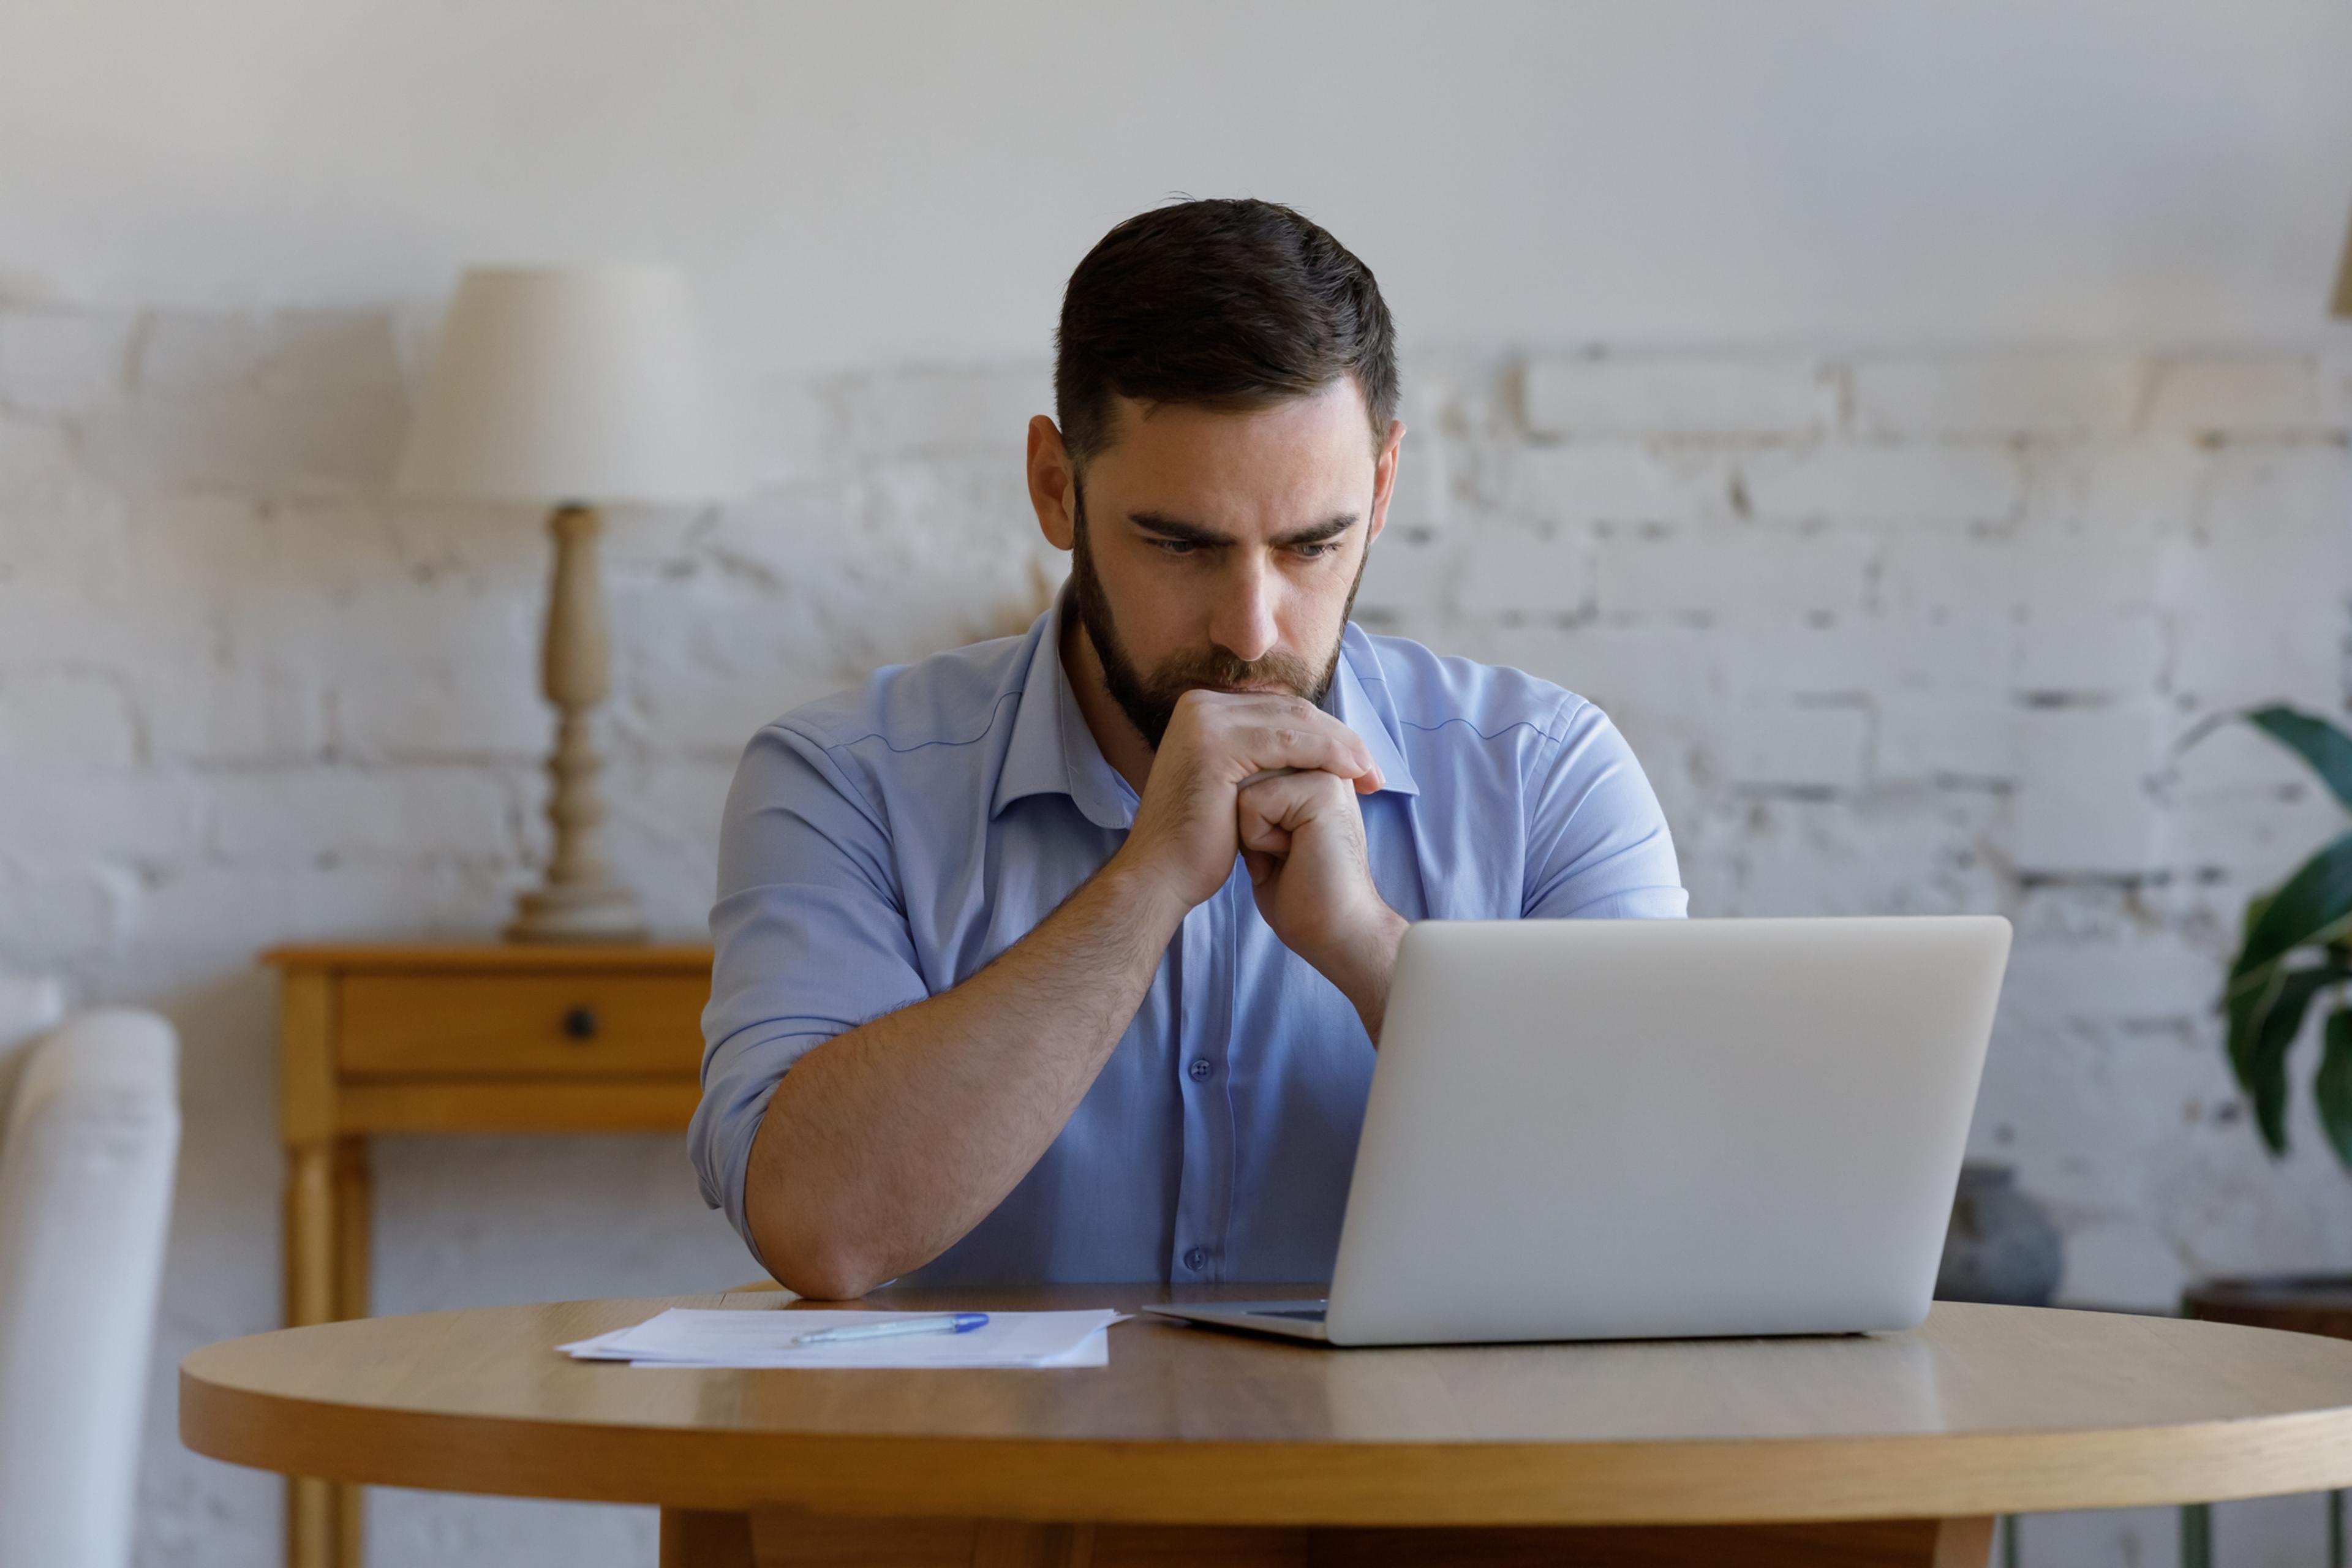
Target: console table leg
1964,1543
354,1205
311,1539
1003,1544
693,1539
327,1203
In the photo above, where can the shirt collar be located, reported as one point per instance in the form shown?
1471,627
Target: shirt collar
1359,698
1052,752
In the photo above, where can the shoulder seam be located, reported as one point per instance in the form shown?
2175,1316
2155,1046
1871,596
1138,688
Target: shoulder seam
995,708
1498,734
841,777
849,775
1560,716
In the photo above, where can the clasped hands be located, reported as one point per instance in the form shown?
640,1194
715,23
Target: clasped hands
1274,778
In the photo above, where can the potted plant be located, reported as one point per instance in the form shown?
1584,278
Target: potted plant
2297,948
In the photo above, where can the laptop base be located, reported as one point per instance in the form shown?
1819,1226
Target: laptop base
1285,1319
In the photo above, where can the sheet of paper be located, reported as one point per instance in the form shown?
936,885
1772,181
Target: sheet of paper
753,1338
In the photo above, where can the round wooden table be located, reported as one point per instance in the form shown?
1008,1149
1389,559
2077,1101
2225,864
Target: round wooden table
1196,1446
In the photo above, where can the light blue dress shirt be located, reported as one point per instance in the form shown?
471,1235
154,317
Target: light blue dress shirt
880,846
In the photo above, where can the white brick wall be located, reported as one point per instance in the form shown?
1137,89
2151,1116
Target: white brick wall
1648,394
2044,393
1892,632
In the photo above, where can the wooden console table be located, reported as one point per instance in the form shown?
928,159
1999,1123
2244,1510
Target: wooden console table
491,1038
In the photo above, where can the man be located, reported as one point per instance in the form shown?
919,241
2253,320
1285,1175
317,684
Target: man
1063,957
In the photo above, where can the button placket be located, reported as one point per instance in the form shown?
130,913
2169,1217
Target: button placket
1238,907
1196,1194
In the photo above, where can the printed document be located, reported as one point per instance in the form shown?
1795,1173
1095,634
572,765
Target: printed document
761,1337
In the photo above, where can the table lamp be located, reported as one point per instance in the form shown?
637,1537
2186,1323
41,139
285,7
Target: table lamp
575,387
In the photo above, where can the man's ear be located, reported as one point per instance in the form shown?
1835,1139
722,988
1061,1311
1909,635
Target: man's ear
1053,484
1384,473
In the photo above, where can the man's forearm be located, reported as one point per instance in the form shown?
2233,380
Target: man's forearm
885,1144
1362,968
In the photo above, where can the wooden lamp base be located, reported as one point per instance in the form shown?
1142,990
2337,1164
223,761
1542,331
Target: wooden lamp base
580,901
577,914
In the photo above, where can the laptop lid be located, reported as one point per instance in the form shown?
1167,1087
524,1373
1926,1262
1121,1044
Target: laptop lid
1635,1129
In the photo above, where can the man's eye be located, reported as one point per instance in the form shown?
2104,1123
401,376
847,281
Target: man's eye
1316,551
1176,546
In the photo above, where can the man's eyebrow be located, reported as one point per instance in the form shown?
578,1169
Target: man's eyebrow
1330,528
1176,528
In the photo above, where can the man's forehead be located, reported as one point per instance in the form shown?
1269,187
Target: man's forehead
1226,479
1335,416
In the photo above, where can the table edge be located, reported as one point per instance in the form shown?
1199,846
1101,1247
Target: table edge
1646,1481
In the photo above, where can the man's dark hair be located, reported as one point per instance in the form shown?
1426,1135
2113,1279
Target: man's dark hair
1217,304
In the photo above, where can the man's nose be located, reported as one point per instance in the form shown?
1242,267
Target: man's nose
1244,622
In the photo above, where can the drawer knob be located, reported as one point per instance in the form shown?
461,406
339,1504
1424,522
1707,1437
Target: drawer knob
581,1023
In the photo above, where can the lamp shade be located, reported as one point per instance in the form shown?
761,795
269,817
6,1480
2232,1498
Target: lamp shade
575,384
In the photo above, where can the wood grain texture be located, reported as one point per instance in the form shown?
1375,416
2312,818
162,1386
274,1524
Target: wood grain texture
589,1024
306,1058
435,957
519,1105
453,1037
1983,1410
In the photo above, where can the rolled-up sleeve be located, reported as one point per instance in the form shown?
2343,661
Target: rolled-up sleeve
811,940
1597,844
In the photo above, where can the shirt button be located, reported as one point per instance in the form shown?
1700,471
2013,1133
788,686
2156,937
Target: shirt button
1195,1259
1200,1070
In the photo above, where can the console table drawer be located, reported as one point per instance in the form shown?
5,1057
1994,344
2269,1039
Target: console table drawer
588,1024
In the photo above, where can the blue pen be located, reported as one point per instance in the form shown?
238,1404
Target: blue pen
944,1323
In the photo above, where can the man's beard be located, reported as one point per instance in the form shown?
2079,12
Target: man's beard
1149,702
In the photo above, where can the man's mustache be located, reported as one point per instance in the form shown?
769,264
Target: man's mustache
1223,671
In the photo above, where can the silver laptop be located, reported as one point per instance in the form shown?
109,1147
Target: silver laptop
1624,1129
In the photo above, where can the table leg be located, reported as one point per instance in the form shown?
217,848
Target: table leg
1965,1542
775,1540
327,1203
355,1207
693,1539
312,1540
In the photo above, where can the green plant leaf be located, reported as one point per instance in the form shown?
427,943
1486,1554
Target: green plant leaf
2264,1023
2314,906
2327,749
2248,923
2254,916
2332,1086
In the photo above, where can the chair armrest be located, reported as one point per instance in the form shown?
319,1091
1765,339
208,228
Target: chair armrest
86,1174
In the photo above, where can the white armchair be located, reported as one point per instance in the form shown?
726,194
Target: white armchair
87,1154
